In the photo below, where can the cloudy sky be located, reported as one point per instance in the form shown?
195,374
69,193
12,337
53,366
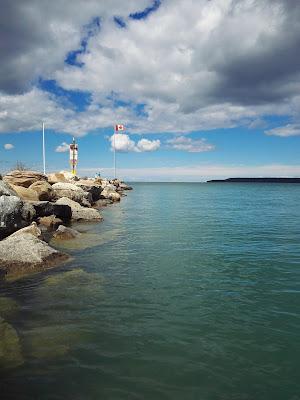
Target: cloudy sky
205,88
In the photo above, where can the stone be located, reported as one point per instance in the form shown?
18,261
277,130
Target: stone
23,178
10,347
109,193
89,186
31,229
56,177
24,254
14,215
43,189
102,203
123,186
46,208
8,307
6,190
25,193
64,233
51,221
70,191
79,212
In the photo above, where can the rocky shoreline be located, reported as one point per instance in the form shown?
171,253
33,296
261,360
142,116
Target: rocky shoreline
36,207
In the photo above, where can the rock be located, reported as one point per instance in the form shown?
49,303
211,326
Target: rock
67,175
23,178
31,229
102,203
25,253
123,186
25,193
10,348
79,212
43,189
109,193
50,222
14,215
70,191
8,307
64,233
89,186
6,190
56,177
45,209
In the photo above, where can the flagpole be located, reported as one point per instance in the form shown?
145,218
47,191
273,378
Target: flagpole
115,174
44,153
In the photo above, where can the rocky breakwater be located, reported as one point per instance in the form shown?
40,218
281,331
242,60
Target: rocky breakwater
35,207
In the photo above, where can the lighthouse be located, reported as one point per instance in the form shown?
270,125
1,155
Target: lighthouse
73,156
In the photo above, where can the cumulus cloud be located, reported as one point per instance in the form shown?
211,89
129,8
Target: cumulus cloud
122,143
62,148
285,131
190,145
193,65
8,146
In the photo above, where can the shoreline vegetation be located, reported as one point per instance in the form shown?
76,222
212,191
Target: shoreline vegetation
36,208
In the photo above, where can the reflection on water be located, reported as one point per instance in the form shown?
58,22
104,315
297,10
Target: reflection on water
184,291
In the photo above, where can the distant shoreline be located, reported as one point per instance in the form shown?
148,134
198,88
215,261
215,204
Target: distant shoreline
256,180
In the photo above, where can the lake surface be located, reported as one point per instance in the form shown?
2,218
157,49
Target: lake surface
185,291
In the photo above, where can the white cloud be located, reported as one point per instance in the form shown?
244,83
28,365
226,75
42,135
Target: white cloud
8,146
148,145
190,145
122,142
285,131
62,148
199,173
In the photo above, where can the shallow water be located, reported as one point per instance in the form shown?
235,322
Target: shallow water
185,291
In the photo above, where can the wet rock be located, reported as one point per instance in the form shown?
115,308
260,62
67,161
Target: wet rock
6,190
102,203
51,221
79,212
8,307
23,178
123,186
14,215
64,233
25,253
25,193
46,208
43,189
10,348
71,191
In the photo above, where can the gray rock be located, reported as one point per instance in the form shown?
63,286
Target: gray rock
79,212
14,215
25,253
89,186
71,191
64,233
109,193
31,229
6,190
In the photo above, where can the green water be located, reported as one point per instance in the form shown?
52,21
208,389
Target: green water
185,291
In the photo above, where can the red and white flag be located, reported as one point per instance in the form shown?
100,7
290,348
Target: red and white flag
119,128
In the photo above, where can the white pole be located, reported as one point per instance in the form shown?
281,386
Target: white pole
115,175
44,155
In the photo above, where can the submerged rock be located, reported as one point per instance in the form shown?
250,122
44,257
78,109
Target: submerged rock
79,212
8,307
102,203
64,233
10,348
23,254
24,178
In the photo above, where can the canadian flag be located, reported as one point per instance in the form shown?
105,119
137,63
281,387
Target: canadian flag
119,128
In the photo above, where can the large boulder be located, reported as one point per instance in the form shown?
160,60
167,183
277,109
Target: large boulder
71,191
89,186
25,253
25,193
43,189
46,208
56,177
31,229
79,212
14,215
110,193
6,190
51,221
23,178
123,186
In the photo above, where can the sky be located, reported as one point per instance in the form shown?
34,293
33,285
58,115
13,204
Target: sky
204,88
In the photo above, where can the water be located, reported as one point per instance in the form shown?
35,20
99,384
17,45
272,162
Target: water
185,291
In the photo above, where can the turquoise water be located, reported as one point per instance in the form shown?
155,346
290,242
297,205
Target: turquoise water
185,291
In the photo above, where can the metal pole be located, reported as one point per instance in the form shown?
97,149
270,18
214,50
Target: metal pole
44,154
115,174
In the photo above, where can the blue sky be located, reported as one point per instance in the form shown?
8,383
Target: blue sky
192,109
